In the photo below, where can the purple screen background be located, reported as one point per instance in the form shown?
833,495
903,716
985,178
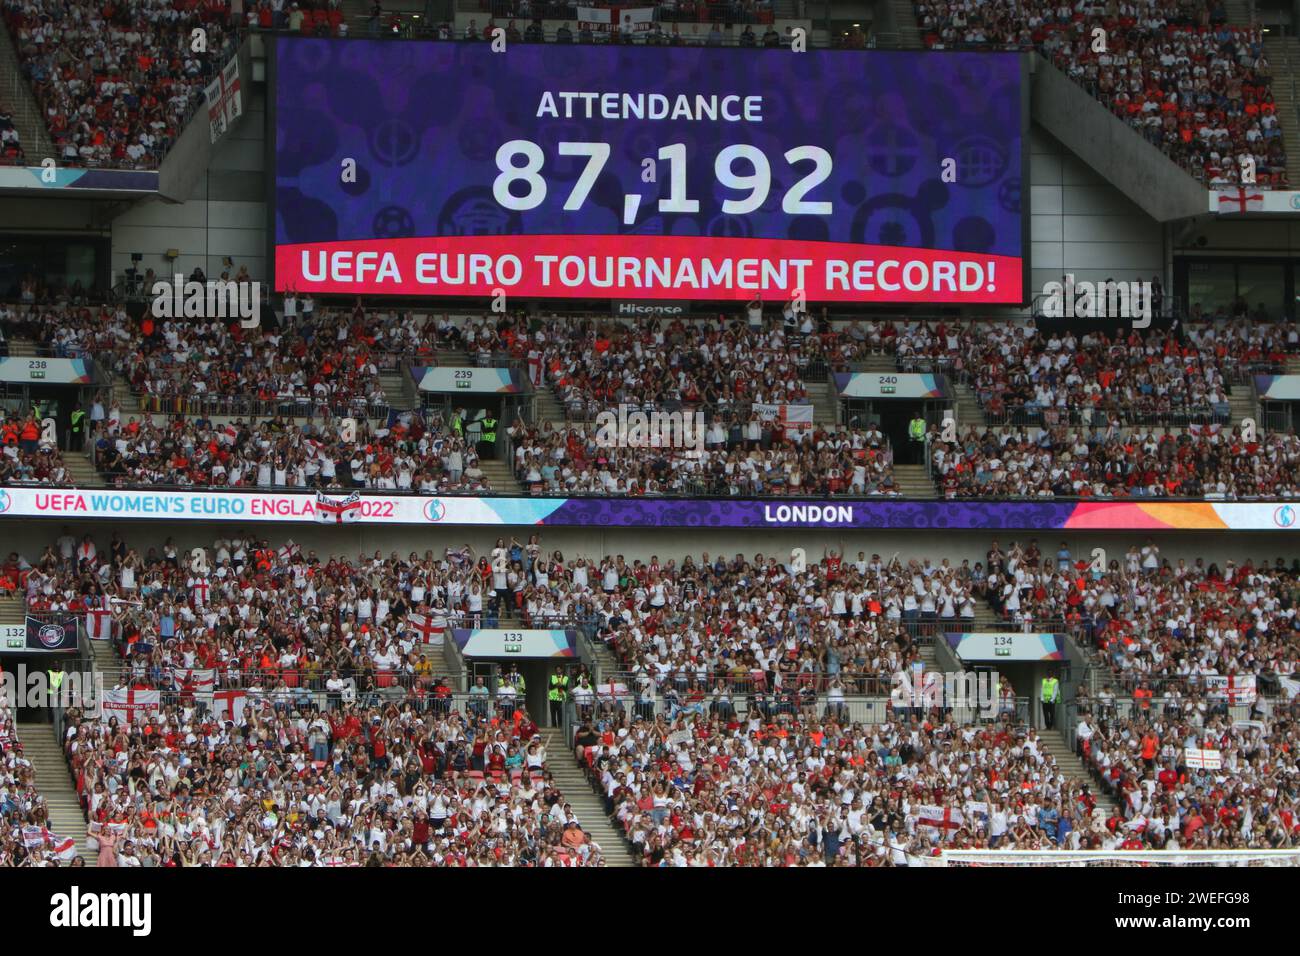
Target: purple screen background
423,120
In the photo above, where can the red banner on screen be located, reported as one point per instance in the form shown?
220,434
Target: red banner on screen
648,267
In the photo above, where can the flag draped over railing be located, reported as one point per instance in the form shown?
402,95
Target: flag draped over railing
338,510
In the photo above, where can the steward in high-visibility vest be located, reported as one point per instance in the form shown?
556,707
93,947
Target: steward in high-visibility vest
559,687
77,429
916,429
56,682
489,430
557,695
1051,690
1051,695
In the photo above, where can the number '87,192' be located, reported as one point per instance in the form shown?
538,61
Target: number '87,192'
758,183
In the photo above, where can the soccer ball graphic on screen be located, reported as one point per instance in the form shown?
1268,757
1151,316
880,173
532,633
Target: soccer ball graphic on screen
393,222
474,212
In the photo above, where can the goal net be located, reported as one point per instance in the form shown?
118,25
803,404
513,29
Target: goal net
1116,858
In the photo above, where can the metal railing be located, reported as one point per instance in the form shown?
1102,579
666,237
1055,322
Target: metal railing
695,489
1033,415
467,705
1169,307
586,411
861,709
247,406
289,683
410,25
1155,708
1192,687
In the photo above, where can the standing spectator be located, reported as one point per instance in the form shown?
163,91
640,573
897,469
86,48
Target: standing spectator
1051,696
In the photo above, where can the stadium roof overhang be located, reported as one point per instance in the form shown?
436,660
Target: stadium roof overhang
55,182
1138,169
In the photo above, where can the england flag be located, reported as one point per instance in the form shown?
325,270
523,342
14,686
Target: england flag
338,510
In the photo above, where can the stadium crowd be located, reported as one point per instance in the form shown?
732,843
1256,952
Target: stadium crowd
285,615
160,356
1114,462
11,150
310,17
1023,375
732,744
664,31
328,363
696,630
1249,800
1153,622
408,455
117,82
733,790
594,368
388,785
21,804
25,457
732,456
1073,401
1174,70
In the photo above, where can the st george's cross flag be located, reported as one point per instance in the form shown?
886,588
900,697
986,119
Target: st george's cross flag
338,510
943,820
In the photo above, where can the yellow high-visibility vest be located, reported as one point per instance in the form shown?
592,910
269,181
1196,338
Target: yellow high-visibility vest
558,687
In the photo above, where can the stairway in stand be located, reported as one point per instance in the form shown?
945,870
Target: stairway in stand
1283,53
1238,12
1242,403
398,389
928,656
499,477
55,785
1070,764
824,402
13,610
879,362
107,662
909,32
16,94
912,482
587,804
548,408
81,473
606,663
969,413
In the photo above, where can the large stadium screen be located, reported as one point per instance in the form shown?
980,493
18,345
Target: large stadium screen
420,168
